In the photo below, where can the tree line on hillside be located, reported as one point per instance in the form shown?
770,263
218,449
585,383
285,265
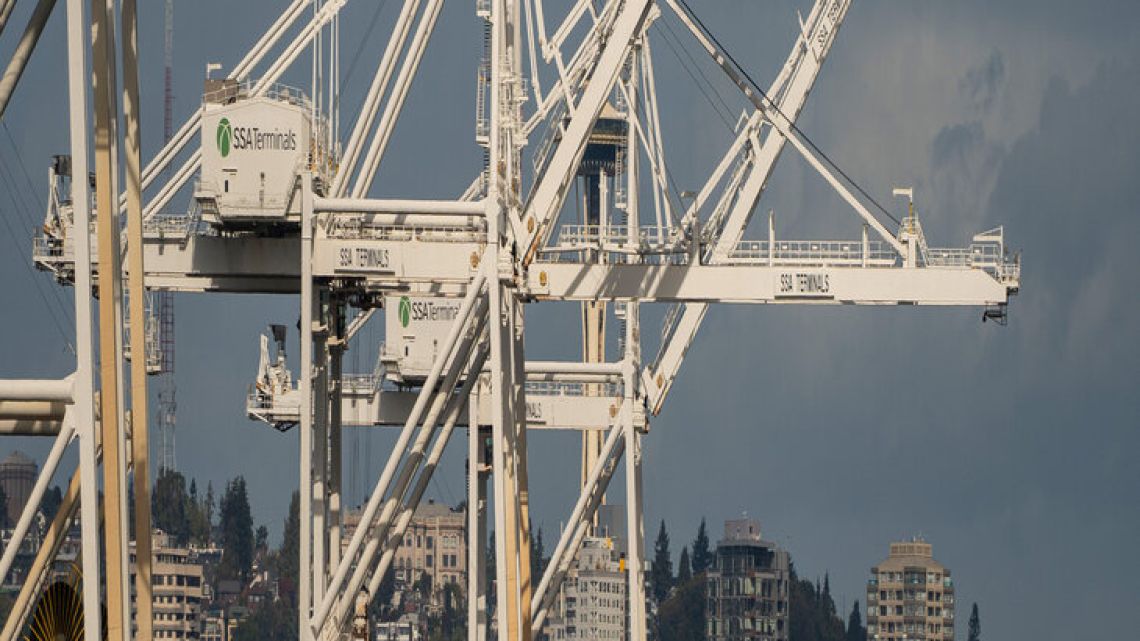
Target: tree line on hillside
190,519
681,600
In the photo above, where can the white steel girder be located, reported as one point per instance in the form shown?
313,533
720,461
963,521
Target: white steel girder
767,284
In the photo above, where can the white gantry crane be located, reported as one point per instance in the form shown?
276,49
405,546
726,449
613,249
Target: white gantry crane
280,205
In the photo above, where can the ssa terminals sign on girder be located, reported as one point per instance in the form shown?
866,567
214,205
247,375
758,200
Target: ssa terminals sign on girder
803,283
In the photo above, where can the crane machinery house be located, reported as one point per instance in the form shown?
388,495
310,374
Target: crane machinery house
255,141
415,327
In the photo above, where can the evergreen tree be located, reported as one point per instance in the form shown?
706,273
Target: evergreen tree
289,557
813,615
50,505
261,539
826,598
682,616
684,570
702,558
422,587
855,629
382,602
974,632
537,558
198,516
209,510
168,506
451,623
271,621
3,509
661,574
492,569
237,532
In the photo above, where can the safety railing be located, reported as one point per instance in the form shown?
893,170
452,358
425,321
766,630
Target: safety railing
244,89
266,407
987,256
169,226
563,388
874,253
257,399
649,238
50,249
360,383
356,228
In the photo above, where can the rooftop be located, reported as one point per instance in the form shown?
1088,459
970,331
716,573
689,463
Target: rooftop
913,553
17,459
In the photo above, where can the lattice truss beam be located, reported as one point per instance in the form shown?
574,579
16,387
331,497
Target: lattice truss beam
503,244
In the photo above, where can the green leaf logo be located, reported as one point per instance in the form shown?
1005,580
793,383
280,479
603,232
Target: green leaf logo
224,135
405,311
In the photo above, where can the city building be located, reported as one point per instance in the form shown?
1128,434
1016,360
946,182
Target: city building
593,601
406,629
747,587
214,625
910,596
177,586
435,543
17,476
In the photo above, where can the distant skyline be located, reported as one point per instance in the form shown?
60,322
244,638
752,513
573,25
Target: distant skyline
1012,450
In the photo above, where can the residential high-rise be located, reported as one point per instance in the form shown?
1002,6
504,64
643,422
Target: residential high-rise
910,596
593,601
17,476
747,587
177,590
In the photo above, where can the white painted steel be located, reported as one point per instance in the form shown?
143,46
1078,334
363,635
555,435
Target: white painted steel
32,506
77,82
38,390
427,208
369,513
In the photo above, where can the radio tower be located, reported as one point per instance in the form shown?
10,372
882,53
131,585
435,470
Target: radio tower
165,300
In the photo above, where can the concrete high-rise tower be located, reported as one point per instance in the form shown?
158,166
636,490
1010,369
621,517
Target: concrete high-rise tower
748,587
910,595
17,476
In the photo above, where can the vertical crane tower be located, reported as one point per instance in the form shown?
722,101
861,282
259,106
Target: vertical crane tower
167,401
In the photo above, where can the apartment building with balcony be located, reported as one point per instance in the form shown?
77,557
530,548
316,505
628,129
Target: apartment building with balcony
176,588
910,596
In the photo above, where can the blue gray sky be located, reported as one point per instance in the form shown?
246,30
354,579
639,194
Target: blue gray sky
1010,449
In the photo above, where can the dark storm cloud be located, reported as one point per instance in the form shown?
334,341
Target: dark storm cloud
956,143
982,83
